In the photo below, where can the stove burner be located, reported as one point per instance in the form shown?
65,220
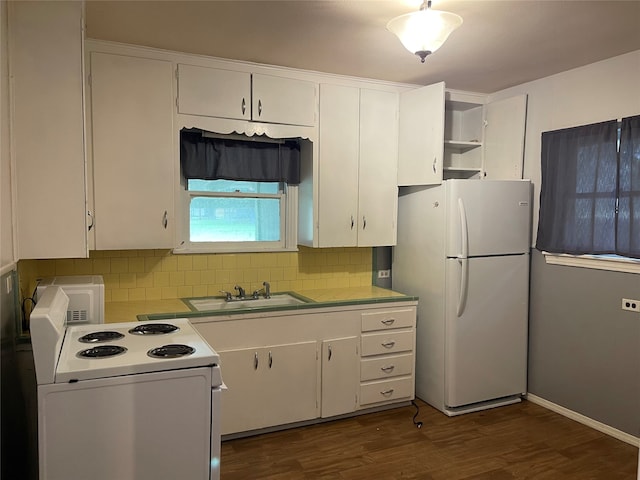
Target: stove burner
153,329
103,336
101,351
171,351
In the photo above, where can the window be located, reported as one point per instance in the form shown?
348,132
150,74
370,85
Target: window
590,194
240,194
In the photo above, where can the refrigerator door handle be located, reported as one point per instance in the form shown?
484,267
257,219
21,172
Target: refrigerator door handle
464,230
464,283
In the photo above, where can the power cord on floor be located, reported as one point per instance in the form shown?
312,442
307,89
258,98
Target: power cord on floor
417,424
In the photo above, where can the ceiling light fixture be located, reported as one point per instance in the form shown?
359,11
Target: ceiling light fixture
424,31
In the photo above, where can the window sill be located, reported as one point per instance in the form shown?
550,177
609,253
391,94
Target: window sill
593,261
182,251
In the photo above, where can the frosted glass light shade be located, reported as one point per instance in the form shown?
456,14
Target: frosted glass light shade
423,32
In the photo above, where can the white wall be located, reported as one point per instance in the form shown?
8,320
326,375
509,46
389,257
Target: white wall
6,229
601,91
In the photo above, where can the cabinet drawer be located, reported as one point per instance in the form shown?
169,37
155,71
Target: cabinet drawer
386,391
388,319
387,342
385,367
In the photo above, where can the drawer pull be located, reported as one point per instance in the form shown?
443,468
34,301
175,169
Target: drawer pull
387,393
388,369
255,361
270,359
389,344
388,322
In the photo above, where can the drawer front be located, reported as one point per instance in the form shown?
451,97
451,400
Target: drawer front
386,367
401,318
386,391
387,342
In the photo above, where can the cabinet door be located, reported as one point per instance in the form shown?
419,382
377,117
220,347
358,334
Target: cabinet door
378,168
133,149
338,166
283,100
46,67
339,376
268,386
243,375
504,138
214,92
291,391
421,136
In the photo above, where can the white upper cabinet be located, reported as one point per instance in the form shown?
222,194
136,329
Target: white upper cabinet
421,136
214,92
239,95
283,100
456,134
337,160
133,152
357,167
504,138
47,128
378,168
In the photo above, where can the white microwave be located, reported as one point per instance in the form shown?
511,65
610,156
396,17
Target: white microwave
86,296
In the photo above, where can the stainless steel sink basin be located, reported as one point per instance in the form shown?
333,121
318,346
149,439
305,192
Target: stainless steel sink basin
219,303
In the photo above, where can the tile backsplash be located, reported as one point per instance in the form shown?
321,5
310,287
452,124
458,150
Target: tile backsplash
159,274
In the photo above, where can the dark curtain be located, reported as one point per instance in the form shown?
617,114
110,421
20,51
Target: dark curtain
206,158
628,228
579,190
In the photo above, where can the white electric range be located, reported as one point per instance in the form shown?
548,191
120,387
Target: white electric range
126,401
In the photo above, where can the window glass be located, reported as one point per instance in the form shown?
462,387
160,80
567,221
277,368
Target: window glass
241,212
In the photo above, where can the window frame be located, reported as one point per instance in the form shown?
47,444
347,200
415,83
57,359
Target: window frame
288,223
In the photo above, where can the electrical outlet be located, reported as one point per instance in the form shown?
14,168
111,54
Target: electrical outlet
384,273
631,305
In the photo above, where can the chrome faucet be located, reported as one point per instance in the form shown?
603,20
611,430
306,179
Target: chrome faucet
266,290
240,291
227,295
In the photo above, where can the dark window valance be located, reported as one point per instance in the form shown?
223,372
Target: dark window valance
205,158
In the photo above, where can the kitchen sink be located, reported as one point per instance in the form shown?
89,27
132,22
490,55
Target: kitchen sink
219,303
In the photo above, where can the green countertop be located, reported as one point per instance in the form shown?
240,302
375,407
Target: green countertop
132,311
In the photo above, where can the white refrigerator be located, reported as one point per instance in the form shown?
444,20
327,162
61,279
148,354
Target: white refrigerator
463,249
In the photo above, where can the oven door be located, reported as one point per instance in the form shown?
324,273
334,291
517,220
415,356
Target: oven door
147,426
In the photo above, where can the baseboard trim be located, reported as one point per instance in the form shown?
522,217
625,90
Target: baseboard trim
589,422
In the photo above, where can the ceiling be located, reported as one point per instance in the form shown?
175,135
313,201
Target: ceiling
500,44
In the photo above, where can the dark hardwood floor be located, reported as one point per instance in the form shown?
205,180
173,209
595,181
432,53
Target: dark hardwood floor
522,441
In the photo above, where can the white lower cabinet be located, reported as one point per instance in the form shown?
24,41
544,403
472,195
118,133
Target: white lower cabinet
387,356
339,376
286,368
268,386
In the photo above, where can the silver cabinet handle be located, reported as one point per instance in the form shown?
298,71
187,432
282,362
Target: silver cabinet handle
255,361
244,105
388,344
330,353
352,222
165,219
364,222
259,107
388,369
434,165
387,393
90,215
270,360
388,322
